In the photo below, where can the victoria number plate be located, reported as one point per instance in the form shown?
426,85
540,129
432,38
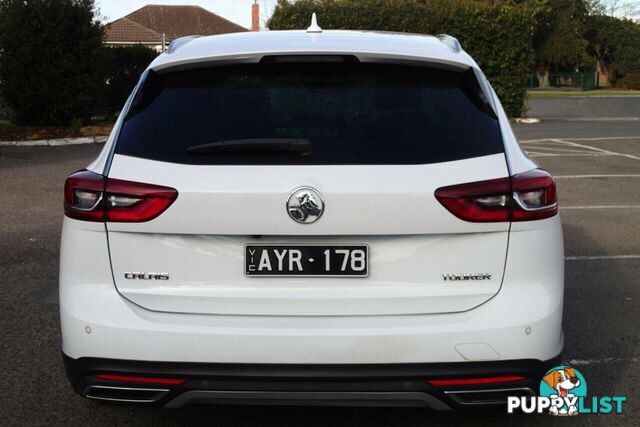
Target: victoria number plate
306,260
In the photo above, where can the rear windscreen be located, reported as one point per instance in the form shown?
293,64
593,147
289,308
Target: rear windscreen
310,113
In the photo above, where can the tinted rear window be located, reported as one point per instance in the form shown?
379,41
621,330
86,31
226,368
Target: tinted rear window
347,113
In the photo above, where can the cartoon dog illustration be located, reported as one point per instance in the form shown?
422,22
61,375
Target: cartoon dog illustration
562,380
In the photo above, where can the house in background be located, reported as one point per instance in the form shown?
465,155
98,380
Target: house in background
156,26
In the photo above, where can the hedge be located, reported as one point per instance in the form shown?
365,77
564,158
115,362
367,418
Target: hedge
498,36
48,59
54,69
120,70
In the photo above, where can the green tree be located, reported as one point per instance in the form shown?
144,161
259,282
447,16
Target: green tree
559,41
48,59
615,43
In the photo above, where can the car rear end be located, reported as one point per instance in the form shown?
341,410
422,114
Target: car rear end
332,220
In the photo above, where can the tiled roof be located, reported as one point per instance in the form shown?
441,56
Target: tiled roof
126,30
175,21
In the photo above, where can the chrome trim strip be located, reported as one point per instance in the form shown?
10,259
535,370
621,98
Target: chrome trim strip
520,203
160,392
97,202
455,395
376,399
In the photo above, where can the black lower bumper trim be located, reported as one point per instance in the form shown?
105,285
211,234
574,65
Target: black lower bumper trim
378,384
309,398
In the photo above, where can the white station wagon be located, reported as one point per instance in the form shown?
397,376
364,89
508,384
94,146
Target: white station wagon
311,217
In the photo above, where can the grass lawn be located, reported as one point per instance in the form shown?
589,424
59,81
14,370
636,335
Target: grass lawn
587,93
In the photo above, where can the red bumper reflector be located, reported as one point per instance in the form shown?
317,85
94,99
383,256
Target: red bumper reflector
475,381
139,380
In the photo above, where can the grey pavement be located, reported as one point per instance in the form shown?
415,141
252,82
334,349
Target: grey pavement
577,107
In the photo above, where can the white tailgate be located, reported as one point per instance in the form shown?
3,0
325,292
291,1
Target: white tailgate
413,240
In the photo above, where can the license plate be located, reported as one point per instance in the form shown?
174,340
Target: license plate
306,260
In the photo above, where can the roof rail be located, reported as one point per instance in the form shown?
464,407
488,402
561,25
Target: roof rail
179,42
451,42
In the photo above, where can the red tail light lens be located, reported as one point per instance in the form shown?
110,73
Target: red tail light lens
135,202
523,197
139,379
83,194
89,196
475,381
485,201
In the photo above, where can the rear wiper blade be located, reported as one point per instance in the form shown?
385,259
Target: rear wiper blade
261,145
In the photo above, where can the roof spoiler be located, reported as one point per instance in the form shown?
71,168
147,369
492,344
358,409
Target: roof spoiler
179,42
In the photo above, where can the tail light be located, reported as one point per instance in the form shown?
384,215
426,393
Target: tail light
452,382
89,196
139,379
523,197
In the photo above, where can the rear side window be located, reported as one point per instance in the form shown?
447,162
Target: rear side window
304,113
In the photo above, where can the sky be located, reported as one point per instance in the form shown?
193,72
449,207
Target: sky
238,11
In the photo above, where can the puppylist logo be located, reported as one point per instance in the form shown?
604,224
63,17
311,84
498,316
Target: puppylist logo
563,391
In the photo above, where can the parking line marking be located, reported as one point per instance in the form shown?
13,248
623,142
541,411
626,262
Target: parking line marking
551,147
595,119
600,257
632,175
551,150
602,207
534,154
585,362
538,141
525,141
599,150
602,138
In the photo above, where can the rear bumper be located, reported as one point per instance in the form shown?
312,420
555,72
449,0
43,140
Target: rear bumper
338,385
99,323
522,321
